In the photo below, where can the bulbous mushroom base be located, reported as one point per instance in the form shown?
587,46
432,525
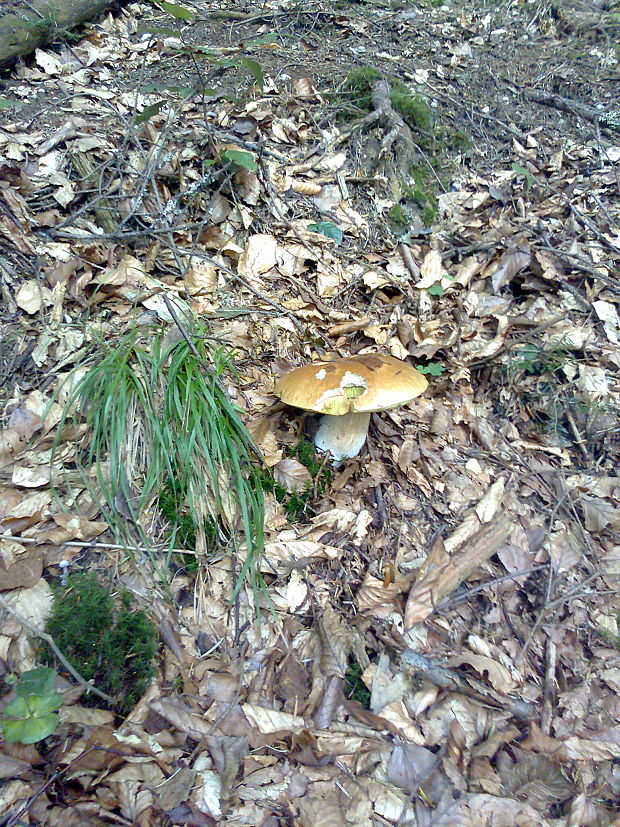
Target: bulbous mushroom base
343,436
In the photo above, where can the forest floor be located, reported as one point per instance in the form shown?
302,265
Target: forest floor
439,635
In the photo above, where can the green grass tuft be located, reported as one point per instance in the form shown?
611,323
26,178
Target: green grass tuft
162,428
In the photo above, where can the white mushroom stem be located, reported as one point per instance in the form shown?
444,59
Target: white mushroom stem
343,436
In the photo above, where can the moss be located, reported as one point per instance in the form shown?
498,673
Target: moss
397,219
358,84
355,688
112,648
460,141
429,214
413,108
418,192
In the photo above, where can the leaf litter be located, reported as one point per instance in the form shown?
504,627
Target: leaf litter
439,638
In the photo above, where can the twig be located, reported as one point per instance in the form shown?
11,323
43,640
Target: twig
549,692
452,681
582,266
85,543
51,643
405,251
14,819
579,440
463,597
587,222
606,120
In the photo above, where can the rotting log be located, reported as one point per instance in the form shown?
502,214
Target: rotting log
25,26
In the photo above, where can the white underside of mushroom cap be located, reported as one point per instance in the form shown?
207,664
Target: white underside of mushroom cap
343,436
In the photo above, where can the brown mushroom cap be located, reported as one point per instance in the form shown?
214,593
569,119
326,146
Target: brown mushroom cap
364,383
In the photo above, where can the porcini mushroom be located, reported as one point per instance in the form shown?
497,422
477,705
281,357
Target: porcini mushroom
346,392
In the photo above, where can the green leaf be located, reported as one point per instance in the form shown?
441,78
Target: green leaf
10,103
179,12
432,369
327,229
436,289
529,178
242,159
23,724
254,69
157,30
39,681
148,111
31,716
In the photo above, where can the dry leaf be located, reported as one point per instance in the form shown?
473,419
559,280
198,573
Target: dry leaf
292,475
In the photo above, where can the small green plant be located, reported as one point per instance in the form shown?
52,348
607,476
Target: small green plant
535,360
32,715
11,103
111,647
328,229
521,171
240,158
355,688
432,369
176,11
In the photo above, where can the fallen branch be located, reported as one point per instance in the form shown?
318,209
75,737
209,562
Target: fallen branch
39,22
452,681
607,120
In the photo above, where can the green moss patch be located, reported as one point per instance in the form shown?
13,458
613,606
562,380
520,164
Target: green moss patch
413,108
111,647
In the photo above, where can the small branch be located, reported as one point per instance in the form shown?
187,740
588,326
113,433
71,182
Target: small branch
452,681
50,642
85,544
607,120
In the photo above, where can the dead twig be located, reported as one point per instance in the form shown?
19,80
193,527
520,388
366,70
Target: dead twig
452,681
607,120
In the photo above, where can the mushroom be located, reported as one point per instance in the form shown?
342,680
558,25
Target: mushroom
346,392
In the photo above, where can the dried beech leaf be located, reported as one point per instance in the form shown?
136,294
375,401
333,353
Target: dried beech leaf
336,642
437,583
270,720
498,676
292,475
